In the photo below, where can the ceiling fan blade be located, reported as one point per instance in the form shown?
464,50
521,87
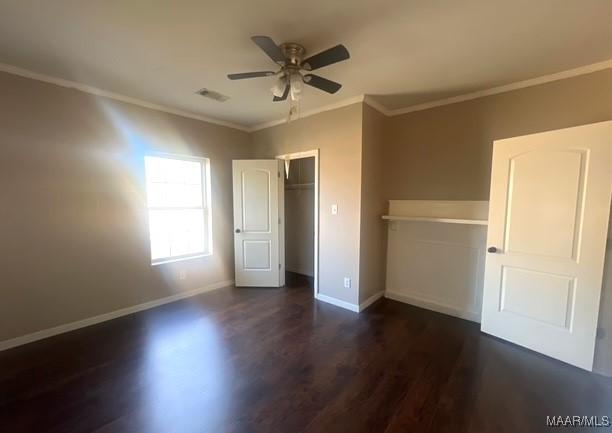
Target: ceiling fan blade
285,94
270,48
322,83
243,75
328,57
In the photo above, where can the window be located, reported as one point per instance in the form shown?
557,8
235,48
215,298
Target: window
178,199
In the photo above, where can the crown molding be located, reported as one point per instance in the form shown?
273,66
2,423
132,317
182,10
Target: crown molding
15,70
369,99
112,95
582,70
366,99
308,113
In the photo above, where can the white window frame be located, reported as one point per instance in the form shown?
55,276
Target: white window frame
207,208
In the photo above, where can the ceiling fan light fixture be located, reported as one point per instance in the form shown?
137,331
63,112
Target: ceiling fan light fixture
279,87
296,86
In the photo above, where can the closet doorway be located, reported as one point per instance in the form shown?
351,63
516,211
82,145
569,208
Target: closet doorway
301,197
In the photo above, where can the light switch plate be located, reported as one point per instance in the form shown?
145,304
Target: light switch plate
334,209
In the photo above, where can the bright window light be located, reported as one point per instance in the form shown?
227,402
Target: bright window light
178,198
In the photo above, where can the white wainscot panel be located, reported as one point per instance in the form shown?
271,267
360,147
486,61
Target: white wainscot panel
437,266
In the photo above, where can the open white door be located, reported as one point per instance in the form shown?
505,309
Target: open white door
258,223
548,218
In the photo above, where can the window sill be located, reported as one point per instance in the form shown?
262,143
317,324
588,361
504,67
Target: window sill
179,259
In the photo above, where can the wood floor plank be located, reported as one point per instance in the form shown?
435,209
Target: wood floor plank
276,360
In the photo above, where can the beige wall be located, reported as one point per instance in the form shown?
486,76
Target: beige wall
373,246
337,134
444,153
73,223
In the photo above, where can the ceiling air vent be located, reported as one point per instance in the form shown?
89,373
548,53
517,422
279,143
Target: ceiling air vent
212,95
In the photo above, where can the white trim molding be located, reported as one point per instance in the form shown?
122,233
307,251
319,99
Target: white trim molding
375,297
432,305
337,302
67,327
10,69
372,102
347,305
369,100
364,98
582,70
313,153
308,113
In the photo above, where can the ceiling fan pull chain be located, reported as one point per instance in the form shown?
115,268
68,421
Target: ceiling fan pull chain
294,110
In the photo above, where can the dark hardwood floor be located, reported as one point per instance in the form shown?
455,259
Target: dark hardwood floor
275,360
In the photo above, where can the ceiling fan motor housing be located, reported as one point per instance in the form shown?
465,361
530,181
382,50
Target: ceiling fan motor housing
294,53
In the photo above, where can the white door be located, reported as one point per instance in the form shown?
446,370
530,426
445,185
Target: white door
548,218
258,223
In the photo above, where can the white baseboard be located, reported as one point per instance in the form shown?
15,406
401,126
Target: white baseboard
347,305
375,297
338,302
50,332
433,305
299,271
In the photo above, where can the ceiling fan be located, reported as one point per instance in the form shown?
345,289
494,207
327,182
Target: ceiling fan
290,57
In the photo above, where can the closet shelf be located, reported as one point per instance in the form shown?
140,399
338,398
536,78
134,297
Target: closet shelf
299,185
435,220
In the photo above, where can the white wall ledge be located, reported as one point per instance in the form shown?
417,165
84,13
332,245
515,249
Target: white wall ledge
435,220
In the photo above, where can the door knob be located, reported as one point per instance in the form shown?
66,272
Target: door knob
237,230
492,249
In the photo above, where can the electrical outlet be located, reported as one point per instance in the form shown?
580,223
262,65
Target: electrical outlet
182,274
347,283
334,209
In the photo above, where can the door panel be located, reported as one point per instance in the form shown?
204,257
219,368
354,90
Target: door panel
545,194
548,216
541,296
258,223
256,190
256,255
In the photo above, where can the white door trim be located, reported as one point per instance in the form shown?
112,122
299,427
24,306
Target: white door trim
308,154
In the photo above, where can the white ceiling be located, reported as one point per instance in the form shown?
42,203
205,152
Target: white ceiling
403,52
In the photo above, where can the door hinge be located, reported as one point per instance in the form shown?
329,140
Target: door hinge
279,266
279,220
278,174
